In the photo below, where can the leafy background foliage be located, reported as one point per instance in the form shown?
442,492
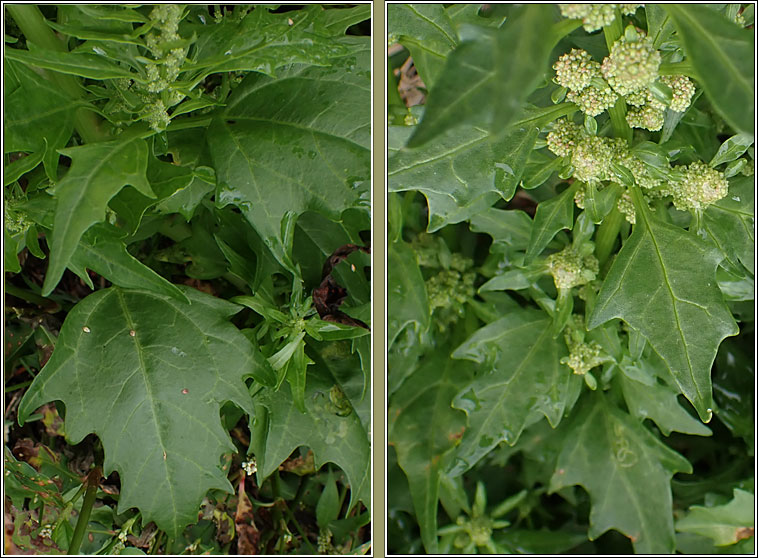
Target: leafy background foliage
195,167
495,445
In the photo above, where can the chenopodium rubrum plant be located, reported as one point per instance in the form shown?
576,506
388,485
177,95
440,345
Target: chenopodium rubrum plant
581,176
230,150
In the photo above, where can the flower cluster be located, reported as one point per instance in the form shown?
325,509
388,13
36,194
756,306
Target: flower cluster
630,70
682,90
593,156
450,290
167,64
581,75
570,268
562,139
583,356
595,16
699,187
632,65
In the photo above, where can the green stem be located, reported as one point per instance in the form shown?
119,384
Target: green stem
17,386
606,235
683,68
613,31
191,122
81,523
28,296
618,120
32,24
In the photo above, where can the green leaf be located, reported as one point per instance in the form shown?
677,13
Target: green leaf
722,54
408,291
112,13
265,41
21,166
460,174
90,66
508,226
102,251
725,524
730,222
612,455
598,204
520,376
275,161
185,199
732,148
552,216
659,403
339,19
325,428
328,506
88,34
148,375
484,83
98,172
423,452
39,117
662,283
427,32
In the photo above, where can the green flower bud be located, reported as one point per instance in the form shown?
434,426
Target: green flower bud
699,187
648,117
564,136
593,100
575,69
626,207
592,159
571,269
682,90
583,356
593,16
632,65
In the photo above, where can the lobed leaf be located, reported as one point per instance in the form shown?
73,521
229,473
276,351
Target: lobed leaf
520,377
612,455
726,524
662,283
460,174
730,224
428,33
409,300
335,435
295,143
39,117
423,452
98,172
485,81
148,375
722,55
551,217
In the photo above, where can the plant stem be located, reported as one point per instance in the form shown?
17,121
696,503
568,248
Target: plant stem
93,481
32,23
676,69
606,235
618,120
613,31
191,122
